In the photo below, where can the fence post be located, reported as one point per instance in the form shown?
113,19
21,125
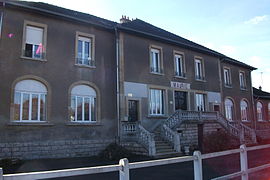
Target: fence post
124,169
197,163
177,145
1,174
244,162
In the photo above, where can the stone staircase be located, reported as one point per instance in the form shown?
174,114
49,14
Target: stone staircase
163,147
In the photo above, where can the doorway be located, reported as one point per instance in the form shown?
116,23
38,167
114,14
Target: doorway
132,110
180,100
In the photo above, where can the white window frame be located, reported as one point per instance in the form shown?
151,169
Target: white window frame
227,77
242,80
179,65
259,111
30,106
244,110
200,102
156,101
199,75
84,60
155,68
92,100
229,110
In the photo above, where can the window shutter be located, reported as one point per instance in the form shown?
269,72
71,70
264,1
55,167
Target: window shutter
34,35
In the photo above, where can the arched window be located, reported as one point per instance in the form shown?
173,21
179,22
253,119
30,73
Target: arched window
259,111
244,110
229,109
269,111
83,104
30,101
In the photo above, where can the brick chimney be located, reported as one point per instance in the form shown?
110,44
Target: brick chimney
260,87
124,19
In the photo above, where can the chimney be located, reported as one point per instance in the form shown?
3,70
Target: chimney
124,19
260,88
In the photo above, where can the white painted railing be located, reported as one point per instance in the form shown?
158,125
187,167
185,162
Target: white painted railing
171,136
124,166
146,139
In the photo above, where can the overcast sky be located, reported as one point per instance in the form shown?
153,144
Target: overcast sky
238,28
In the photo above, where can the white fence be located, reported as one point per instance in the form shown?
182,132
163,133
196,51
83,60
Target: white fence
124,166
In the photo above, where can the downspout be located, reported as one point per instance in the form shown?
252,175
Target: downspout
117,82
221,86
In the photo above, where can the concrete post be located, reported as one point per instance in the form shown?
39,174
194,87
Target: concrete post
177,146
124,169
197,163
1,174
152,145
244,162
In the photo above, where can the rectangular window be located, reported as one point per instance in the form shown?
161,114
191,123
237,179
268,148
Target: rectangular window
84,51
199,69
155,61
242,80
29,106
179,65
227,77
156,102
34,45
200,102
83,109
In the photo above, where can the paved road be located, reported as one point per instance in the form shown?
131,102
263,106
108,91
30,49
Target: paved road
180,171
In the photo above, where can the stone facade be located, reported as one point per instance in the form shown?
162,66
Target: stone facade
53,149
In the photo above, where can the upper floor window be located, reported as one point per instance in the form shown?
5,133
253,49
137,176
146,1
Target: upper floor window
242,80
200,102
227,77
83,104
179,65
199,69
259,111
156,102
155,61
30,101
229,109
34,44
85,49
244,110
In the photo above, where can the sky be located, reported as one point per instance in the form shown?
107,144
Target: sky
239,29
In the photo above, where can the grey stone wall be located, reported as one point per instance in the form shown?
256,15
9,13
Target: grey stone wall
53,149
188,134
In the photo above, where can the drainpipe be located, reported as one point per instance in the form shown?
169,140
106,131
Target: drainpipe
117,81
221,86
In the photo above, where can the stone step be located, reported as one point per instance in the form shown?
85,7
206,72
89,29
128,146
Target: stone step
168,155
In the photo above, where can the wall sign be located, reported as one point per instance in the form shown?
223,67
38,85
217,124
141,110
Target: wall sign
179,85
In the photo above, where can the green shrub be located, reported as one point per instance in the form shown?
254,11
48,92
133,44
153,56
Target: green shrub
115,152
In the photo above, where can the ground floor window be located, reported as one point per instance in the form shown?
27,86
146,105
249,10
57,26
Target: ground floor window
244,110
156,102
30,101
259,111
83,104
229,109
200,102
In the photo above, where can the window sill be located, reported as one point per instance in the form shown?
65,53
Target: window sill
263,121
201,80
157,116
83,124
180,77
243,89
156,73
23,123
228,86
33,59
85,66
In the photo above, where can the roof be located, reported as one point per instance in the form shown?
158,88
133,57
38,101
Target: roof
143,28
260,94
63,12
135,26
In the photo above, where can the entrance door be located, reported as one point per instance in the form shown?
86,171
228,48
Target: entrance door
132,110
180,100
